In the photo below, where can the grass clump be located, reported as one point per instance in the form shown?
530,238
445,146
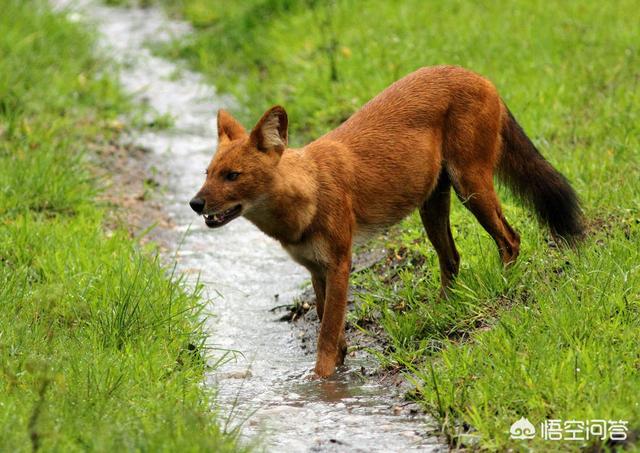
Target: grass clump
556,335
96,340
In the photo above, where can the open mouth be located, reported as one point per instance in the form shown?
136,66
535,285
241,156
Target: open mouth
222,218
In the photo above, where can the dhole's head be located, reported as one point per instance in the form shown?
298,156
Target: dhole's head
242,168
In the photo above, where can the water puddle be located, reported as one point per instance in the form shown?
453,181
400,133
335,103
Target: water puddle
245,273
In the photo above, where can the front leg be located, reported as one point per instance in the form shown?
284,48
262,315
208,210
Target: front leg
331,344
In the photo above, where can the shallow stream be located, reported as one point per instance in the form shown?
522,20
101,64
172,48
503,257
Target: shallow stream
245,273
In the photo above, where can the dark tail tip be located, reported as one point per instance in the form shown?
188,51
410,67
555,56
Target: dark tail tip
557,205
535,181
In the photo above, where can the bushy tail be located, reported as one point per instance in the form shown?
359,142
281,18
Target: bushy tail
535,181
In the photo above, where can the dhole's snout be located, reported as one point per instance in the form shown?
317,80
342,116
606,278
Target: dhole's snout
213,217
197,204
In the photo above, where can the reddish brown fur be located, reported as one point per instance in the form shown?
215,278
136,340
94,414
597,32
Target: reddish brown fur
435,128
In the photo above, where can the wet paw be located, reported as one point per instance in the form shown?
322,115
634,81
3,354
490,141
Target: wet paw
324,369
312,376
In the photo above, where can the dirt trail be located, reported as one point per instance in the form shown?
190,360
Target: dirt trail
245,273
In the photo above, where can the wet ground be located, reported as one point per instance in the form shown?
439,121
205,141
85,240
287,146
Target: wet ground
245,273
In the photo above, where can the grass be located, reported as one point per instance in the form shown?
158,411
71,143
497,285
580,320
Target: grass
96,337
554,337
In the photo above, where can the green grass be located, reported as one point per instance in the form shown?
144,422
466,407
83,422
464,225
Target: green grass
95,334
555,336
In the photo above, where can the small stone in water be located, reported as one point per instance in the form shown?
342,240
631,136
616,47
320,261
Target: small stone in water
238,374
409,434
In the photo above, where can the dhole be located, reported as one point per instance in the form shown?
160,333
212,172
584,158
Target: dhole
436,128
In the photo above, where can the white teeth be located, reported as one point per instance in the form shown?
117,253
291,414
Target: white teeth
219,217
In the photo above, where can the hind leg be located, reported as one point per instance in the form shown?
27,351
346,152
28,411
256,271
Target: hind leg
319,282
475,189
471,152
435,217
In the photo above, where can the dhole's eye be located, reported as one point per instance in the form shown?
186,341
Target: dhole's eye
232,176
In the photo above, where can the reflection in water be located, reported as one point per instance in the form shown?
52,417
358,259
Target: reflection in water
346,383
332,391
244,272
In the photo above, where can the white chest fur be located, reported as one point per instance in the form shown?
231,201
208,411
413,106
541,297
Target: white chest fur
312,254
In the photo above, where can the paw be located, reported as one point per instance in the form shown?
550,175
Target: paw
443,296
312,376
324,368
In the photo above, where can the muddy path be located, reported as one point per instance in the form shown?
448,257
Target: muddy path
245,273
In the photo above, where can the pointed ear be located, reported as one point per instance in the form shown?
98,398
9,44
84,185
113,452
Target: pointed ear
228,127
271,130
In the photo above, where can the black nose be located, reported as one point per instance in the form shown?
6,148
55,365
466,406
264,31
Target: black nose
197,204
